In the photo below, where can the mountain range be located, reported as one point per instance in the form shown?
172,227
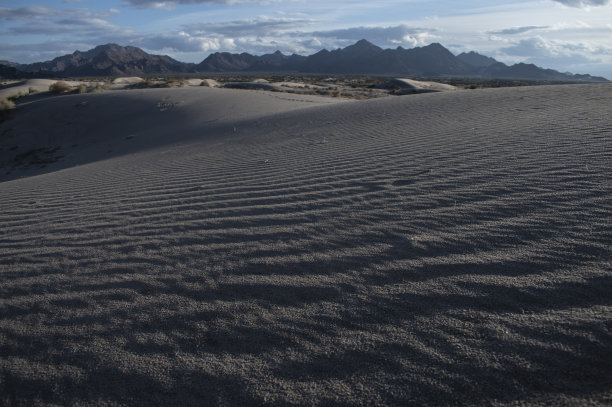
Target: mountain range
363,57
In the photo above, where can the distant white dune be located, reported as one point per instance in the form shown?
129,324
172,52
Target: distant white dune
127,80
203,246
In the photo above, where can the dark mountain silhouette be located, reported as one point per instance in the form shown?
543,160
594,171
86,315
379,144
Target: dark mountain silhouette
362,57
9,63
226,62
10,72
529,71
355,58
476,60
109,60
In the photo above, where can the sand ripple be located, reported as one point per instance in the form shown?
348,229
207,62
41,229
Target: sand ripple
441,249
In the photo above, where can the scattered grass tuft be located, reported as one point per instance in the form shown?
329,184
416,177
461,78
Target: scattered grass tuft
60,87
16,96
6,106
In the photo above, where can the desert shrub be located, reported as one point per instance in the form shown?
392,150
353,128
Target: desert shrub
147,83
205,83
82,88
6,105
32,90
60,87
99,88
15,96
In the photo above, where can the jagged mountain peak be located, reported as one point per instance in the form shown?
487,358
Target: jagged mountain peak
362,46
362,57
476,60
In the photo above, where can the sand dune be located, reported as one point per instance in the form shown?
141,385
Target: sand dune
444,248
78,129
404,86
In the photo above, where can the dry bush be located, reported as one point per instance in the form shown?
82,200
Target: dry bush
99,88
16,96
6,105
60,87
32,90
82,88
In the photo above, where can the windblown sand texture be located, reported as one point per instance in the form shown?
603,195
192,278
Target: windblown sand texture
444,248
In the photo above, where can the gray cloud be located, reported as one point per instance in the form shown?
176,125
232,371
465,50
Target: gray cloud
35,13
260,26
166,4
519,30
27,13
583,3
51,21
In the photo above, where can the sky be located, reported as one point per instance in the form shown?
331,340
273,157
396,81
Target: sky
566,35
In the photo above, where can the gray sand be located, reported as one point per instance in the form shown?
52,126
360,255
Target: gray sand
449,248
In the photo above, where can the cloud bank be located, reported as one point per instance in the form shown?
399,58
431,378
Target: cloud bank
584,3
173,3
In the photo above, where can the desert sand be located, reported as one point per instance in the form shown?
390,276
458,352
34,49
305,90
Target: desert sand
206,246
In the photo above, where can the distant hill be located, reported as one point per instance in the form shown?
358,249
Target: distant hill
109,60
226,62
476,60
363,57
11,72
9,63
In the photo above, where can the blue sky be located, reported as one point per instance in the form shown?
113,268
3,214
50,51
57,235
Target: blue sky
567,35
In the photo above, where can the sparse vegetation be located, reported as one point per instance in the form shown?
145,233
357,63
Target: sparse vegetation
5,106
99,88
82,88
16,96
60,87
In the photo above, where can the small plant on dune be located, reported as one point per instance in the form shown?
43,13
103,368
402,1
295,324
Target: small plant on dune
32,90
99,88
16,96
82,88
60,87
205,83
5,106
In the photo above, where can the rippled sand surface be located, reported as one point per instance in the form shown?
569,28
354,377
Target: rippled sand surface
448,248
